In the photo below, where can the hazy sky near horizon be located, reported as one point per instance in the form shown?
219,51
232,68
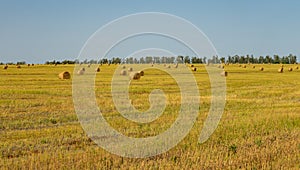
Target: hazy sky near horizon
37,31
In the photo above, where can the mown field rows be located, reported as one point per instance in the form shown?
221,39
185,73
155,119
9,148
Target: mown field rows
260,127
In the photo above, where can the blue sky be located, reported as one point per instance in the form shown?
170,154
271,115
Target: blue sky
36,31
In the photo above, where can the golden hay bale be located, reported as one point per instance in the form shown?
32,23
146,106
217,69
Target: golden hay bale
152,65
169,66
224,73
240,65
192,65
141,73
28,65
261,69
81,71
253,66
244,66
297,68
194,69
123,72
134,76
32,64
89,65
64,75
123,67
18,66
290,69
280,70
97,69
5,67
130,69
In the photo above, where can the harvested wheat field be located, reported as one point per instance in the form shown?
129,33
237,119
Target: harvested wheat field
259,129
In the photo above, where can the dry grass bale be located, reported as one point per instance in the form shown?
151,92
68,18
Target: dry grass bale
253,66
134,76
97,69
240,65
152,65
130,69
18,66
194,69
32,64
28,65
192,65
280,70
244,66
123,67
224,73
123,72
5,67
141,73
89,65
81,71
64,75
176,65
169,66
290,69
261,69
297,68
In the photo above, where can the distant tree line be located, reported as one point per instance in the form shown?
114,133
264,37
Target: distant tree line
275,59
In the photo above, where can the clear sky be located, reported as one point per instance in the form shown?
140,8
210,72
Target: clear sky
36,31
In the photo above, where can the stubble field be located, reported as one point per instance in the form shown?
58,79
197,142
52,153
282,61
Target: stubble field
260,127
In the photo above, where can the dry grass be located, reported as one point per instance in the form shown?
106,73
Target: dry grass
260,127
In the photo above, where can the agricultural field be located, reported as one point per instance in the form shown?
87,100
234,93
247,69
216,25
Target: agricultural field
259,129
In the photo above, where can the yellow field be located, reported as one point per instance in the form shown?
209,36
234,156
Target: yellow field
260,127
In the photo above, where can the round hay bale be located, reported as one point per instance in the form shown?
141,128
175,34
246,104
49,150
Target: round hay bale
64,75
32,64
253,67
244,66
81,71
130,69
261,69
290,69
97,69
141,73
192,65
134,76
28,65
123,72
18,66
89,65
194,69
123,67
240,65
169,66
280,70
224,73
5,67
297,68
